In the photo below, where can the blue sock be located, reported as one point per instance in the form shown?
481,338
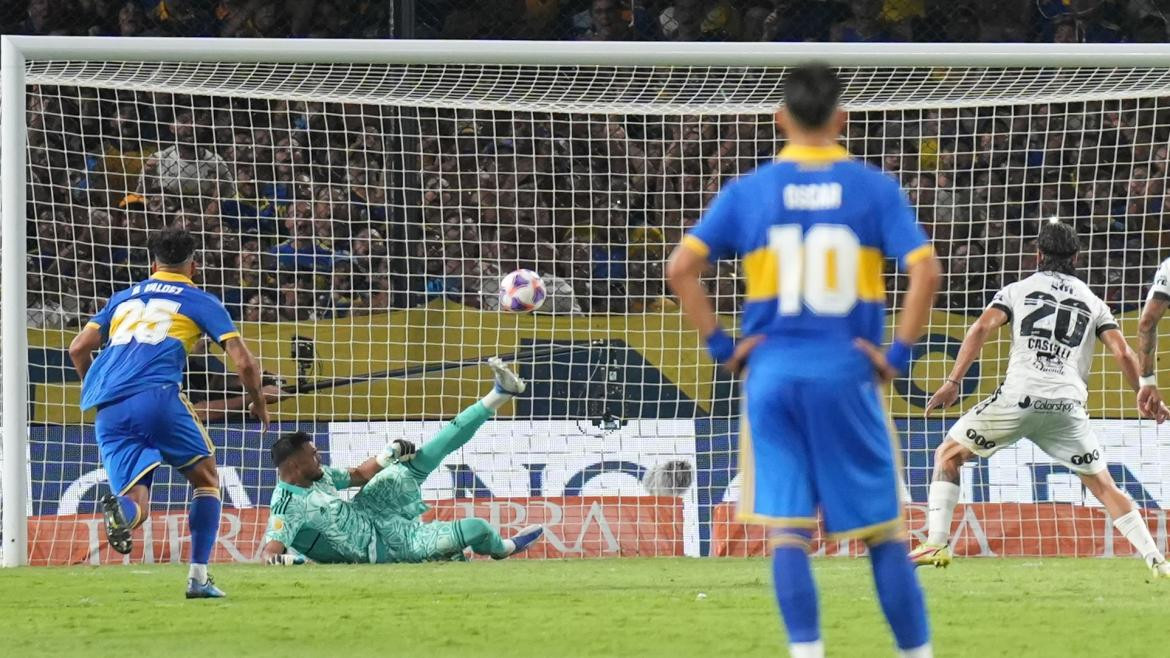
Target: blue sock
203,522
796,592
130,511
899,593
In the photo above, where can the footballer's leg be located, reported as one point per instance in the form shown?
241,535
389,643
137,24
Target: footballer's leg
1068,438
993,423
203,523
855,459
459,431
129,461
944,495
782,494
186,445
1127,519
445,540
483,539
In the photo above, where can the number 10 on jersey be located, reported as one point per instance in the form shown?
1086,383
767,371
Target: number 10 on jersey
817,268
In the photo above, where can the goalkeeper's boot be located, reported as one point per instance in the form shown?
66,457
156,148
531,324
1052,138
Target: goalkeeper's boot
117,527
523,539
1160,570
507,382
935,555
206,590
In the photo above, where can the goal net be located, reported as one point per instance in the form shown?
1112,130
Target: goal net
356,220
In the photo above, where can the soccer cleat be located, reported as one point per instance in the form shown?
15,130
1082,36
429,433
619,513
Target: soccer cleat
206,590
936,555
117,528
523,539
1160,570
507,382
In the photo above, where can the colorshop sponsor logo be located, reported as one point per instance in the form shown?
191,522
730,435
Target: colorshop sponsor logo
1054,406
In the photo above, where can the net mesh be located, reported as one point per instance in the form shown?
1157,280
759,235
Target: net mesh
356,221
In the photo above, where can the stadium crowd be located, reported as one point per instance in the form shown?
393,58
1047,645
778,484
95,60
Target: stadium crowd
679,20
312,211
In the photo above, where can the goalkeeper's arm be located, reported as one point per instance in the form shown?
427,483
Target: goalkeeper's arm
399,450
274,555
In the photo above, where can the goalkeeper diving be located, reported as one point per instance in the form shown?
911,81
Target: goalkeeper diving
381,524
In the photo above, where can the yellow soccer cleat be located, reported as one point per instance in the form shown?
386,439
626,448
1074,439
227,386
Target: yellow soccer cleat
936,555
1160,570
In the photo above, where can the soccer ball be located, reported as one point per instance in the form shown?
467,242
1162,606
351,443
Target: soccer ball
522,291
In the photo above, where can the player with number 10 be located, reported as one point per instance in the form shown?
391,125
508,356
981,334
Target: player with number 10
813,230
143,419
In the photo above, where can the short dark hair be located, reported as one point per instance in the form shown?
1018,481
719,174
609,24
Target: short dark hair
288,445
1059,246
172,246
811,93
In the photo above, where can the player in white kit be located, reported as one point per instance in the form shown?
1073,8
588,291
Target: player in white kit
1056,322
1156,303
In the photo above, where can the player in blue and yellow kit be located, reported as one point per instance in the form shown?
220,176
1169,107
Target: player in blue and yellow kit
813,230
143,419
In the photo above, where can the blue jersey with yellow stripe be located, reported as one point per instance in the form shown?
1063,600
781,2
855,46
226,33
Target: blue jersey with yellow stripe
813,230
148,329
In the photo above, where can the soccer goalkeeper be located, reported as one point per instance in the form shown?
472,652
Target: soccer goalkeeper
381,523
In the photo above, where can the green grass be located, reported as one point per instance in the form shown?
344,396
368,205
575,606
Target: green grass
619,607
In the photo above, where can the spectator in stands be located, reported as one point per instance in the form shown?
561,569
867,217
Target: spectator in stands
607,22
43,19
1149,28
47,307
187,168
683,21
866,23
303,251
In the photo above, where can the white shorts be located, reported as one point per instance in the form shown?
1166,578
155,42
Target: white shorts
1058,427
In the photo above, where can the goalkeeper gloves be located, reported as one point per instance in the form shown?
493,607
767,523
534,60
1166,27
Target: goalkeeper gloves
399,450
284,560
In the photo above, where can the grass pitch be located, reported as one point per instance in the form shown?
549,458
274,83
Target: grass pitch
618,607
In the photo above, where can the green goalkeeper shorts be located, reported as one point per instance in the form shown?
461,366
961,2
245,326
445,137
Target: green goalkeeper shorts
392,500
393,492
407,541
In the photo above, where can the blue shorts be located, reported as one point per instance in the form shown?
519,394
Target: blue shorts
137,433
814,444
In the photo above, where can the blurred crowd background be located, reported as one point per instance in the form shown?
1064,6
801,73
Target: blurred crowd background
1062,21
315,211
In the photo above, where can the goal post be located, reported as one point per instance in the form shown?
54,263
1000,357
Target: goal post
13,344
423,171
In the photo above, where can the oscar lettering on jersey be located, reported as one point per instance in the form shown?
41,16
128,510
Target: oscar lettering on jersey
816,196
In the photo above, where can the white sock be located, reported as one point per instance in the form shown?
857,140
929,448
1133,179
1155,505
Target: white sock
495,399
198,572
923,651
1134,527
807,649
940,508
509,547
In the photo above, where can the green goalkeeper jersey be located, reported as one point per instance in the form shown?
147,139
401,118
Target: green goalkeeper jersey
317,523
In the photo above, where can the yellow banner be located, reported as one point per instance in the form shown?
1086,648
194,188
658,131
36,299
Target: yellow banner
446,333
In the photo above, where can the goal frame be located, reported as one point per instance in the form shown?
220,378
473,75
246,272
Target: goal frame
17,51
